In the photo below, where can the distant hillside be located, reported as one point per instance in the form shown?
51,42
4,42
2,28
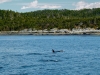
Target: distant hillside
47,19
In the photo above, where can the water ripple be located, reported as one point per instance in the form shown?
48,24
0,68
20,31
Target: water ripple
49,60
1,68
27,66
20,74
34,54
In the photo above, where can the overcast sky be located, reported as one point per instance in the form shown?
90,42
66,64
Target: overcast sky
33,5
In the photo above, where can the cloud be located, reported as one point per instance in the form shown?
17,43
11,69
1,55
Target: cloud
35,4
3,1
50,6
83,4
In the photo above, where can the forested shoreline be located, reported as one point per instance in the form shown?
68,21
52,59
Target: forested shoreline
49,19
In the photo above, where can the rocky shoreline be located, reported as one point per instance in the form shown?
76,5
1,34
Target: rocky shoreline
53,32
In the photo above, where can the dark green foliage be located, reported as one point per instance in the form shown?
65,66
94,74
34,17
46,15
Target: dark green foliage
47,19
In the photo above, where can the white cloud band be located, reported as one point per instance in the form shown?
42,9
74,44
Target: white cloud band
35,4
82,5
3,1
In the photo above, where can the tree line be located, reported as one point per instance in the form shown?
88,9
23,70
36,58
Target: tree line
48,19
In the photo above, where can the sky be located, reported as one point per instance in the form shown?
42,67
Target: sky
33,5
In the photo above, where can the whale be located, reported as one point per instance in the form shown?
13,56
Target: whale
56,51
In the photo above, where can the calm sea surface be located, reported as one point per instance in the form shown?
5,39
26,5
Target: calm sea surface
32,55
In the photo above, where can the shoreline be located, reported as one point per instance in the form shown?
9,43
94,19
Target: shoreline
93,32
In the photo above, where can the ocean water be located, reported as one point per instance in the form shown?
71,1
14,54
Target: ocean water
32,55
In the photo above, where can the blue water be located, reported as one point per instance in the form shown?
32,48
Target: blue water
32,55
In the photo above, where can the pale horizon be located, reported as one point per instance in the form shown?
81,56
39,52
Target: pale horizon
33,5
